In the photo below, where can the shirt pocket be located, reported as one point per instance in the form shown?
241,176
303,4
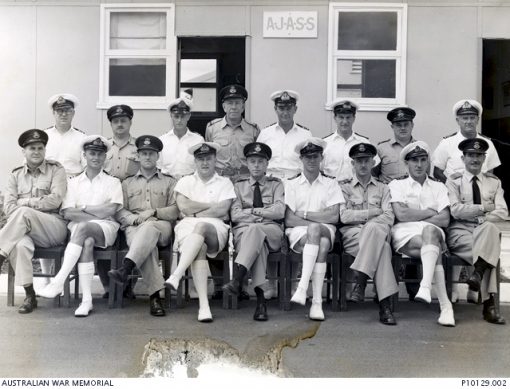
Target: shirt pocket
267,200
375,200
134,200
42,188
355,203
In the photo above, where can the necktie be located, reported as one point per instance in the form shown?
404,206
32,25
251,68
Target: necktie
477,198
257,196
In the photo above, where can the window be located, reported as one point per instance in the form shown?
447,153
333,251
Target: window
138,55
367,54
198,77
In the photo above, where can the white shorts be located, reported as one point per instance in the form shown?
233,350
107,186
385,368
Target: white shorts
110,229
401,233
296,233
187,225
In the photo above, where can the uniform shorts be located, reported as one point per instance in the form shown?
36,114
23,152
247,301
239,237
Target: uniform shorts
401,233
296,233
186,226
110,229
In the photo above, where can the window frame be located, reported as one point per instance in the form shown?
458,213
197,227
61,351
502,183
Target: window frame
399,54
169,54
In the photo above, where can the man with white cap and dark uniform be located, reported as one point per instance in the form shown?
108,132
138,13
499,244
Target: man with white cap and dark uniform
204,198
477,201
367,217
337,162
392,167
91,201
175,158
313,203
146,219
256,213
421,208
34,193
447,158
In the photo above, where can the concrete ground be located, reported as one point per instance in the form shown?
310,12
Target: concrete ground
51,342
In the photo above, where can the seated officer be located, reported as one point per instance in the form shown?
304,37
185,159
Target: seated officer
204,198
255,213
149,210
312,200
367,218
477,201
421,208
91,201
33,197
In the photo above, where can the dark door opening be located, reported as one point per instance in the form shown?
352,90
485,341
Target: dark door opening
207,64
496,103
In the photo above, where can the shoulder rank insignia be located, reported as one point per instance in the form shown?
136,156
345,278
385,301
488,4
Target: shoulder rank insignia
346,181
363,136
303,127
384,141
293,177
449,136
326,175
492,175
214,121
17,168
77,129
433,178
271,178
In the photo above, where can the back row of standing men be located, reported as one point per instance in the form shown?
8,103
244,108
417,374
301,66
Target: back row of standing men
230,136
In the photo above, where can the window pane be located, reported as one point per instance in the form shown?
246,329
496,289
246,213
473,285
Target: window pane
204,99
198,70
366,78
367,31
137,30
137,77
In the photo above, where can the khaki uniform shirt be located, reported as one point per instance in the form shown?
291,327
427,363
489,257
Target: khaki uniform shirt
122,162
391,166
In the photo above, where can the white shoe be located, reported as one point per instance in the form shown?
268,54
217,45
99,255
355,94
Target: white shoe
84,309
472,296
446,317
455,296
270,293
299,296
205,315
173,282
423,295
316,312
51,290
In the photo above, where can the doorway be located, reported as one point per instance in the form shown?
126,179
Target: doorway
206,65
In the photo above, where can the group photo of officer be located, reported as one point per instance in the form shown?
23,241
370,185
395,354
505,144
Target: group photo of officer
251,191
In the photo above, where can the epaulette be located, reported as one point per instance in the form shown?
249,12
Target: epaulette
433,178
327,175
271,178
492,175
131,176
17,168
269,125
213,122
327,136
105,172
50,127
168,175
363,136
240,179
402,177
296,176
384,141
306,128
449,136
53,162
77,129
251,124
455,175
346,181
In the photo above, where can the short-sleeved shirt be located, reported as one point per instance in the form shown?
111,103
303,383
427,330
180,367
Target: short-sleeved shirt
284,162
448,157
214,190
324,192
122,162
232,142
175,159
391,166
432,194
66,149
102,189
337,162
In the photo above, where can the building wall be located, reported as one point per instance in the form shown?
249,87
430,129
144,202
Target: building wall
49,48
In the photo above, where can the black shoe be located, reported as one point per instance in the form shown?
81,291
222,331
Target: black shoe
474,281
217,295
232,288
105,295
412,290
119,275
358,293
385,315
491,314
243,295
156,308
28,305
129,292
260,312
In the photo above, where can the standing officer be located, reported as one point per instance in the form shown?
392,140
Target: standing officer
91,201
175,158
447,158
32,200
367,218
336,154
421,207
477,201
313,203
146,218
255,213
392,167
232,132
204,198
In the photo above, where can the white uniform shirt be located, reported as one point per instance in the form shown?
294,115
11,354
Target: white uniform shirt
324,192
432,194
284,162
217,189
447,155
337,162
174,159
101,190
66,149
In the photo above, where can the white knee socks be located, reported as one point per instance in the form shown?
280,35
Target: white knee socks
71,256
440,287
319,271
429,254
86,274
200,272
310,252
190,249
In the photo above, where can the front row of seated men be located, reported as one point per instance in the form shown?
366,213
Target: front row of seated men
310,204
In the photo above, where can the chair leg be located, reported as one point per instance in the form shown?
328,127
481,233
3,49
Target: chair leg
288,285
10,286
447,263
343,283
334,276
